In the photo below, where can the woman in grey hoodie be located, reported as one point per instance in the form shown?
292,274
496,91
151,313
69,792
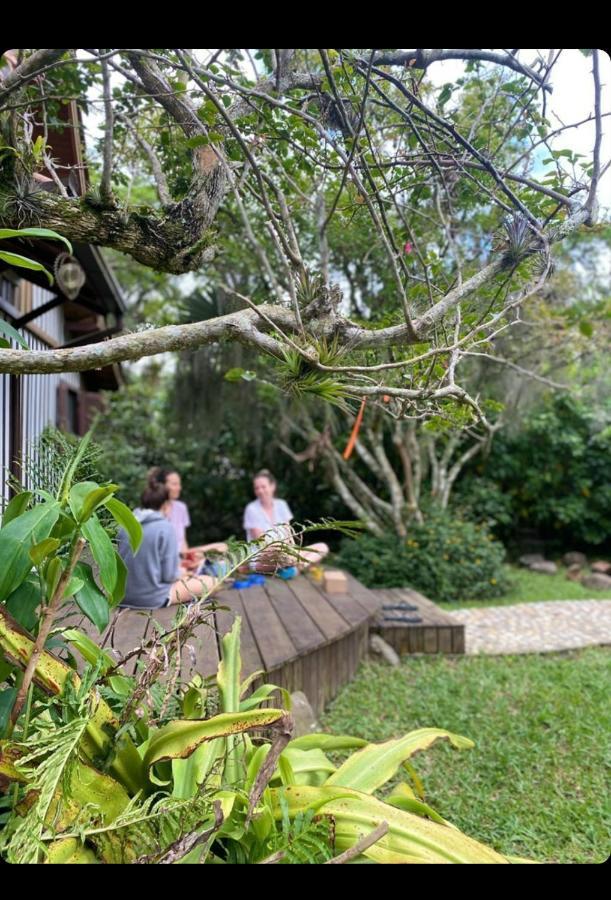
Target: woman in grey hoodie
153,573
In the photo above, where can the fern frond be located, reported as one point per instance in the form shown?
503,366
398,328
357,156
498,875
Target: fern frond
48,761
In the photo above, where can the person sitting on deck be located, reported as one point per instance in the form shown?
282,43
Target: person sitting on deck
177,512
269,518
153,573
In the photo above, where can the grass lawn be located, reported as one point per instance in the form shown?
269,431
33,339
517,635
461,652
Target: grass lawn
530,587
537,782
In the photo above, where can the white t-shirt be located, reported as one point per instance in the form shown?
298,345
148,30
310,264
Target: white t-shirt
256,517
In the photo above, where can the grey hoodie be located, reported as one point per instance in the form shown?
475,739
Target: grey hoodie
155,567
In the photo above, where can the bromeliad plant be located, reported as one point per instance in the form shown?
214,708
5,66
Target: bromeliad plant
202,789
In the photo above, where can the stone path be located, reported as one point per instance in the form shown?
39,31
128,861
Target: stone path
536,627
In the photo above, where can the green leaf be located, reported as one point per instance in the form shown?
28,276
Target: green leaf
410,838
22,262
124,517
11,332
43,549
103,553
238,374
74,585
328,742
181,738
35,233
16,507
374,765
7,699
86,496
23,603
90,599
198,140
77,493
119,592
88,649
97,498
52,575
15,540
586,328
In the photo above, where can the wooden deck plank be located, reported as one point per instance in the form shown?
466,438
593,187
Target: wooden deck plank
304,633
273,641
346,605
363,595
330,623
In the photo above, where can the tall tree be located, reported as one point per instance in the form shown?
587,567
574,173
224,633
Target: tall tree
254,151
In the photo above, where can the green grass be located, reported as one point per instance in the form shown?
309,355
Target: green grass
537,781
530,587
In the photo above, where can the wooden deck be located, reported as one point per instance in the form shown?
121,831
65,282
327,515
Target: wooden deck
436,632
300,636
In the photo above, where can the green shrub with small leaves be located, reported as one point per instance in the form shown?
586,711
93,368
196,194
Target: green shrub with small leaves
446,559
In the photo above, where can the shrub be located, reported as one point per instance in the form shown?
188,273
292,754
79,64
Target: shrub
446,559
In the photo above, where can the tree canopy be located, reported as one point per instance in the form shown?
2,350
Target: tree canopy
375,233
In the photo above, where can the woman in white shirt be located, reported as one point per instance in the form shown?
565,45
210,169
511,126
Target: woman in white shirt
269,517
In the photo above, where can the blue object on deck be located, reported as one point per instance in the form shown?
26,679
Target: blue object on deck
249,581
287,573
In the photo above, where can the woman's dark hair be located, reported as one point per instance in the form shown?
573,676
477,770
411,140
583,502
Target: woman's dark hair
265,473
154,496
159,475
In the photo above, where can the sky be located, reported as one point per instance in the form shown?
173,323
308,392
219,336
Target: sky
571,101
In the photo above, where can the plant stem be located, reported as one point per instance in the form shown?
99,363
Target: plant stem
48,618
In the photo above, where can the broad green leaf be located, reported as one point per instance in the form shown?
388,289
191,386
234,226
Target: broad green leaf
121,685
22,262
77,495
16,538
88,649
374,765
7,699
228,681
181,737
23,603
53,573
10,332
16,507
74,585
43,549
285,769
404,798
410,838
262,694
124,517
103,553
70,851
90,599
119,592
96,498
327,742
308,766
238,374
35,233
203,764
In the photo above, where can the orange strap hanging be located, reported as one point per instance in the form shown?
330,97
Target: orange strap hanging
355,431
